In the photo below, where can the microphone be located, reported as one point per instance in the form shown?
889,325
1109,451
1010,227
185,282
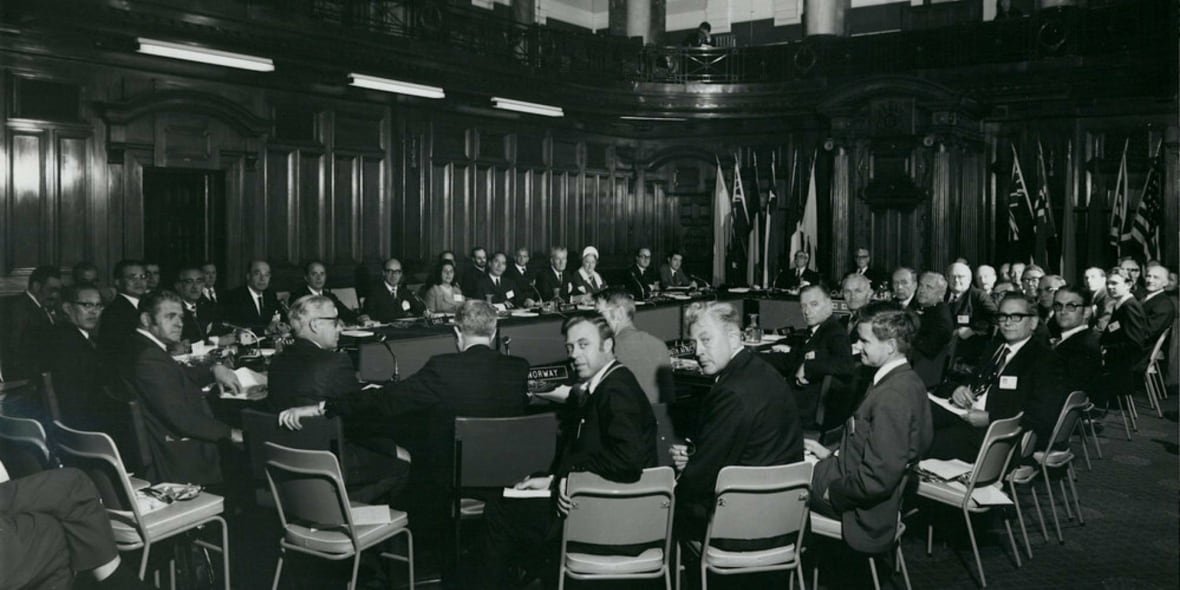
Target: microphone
507,342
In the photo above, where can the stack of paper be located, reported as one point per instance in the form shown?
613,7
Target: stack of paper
947,404
945,469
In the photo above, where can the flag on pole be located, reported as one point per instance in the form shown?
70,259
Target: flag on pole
754,238
807,228
771,202
1020,209
1145,227
1118,211
722,227
1046,228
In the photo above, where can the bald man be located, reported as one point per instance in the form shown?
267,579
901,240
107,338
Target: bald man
253,305
972,309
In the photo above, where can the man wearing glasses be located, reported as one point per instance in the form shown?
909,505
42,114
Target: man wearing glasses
199,315
392,300
1077,346
641,279
1020,374
315,276
74,360
120,319
1030,280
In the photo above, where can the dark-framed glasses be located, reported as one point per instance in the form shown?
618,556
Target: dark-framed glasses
334,319
90,305
1071,307
1012,318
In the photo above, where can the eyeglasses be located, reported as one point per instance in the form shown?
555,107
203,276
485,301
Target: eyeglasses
334,319
394,271
1011,318
90,305
191,281
1067,306
136,277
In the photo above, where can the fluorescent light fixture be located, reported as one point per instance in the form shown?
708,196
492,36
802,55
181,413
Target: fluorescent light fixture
532,108
206,56
643,118
395,86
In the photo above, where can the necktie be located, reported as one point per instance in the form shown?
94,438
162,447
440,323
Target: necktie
258,304
496,281
1001,359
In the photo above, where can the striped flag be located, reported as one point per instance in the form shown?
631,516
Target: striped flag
771,203
1020,209
806,233
1046,228
1145,227
722,227
1118,211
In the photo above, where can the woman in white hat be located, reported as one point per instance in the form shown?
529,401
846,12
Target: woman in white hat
586,282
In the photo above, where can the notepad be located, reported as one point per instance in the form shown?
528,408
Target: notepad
945,469
367,515
947,404
515,493
252,385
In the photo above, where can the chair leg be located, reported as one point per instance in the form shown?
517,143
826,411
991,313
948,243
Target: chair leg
929,540
1020,517
1012,542
873,569
356,565
676,548
975,549
278,571
1123,412
704,572
1077,502
815,577
1085,447
147,549
905,573
1133,411
1040,515
1052,503
1065,496
410,555
225,552
799,574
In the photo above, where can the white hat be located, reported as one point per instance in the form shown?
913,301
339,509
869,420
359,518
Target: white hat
588,250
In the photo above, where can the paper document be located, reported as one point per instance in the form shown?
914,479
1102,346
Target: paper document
991,496
363,514
253,385
947,404
515,493
945,469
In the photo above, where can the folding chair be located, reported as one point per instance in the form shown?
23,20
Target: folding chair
754,503
1153,377
834,529
1025,475
96,455
259,428
605,514
24,448
496,453
317,516
997,449
1057,454
49,393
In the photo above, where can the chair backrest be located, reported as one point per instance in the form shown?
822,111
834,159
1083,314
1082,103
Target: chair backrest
1156,350
347,296
50,395
307,487
138,440
96,454
496,452
317,434
376,362
761,502
997,448
604,512
24,448
1028,444
1067,420
666,433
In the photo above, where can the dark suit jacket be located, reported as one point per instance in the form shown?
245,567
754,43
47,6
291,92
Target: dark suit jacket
890,431
640,282
182,432
1081,359
74,361
670,278
306,374
196,327
1123,343
506,292
788,278
119,321
524,280
347,314
747,418
381,306
974,309
934,335
1160,312
547,280
469,280
826,352
27,329
237,307
611,432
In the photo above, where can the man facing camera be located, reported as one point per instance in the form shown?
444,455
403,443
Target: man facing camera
120,319
495,287
890,431
799,276
641,278
934,328
1078,347
672,273
74,361
29,324
971,308
392,301
554,282
254,305
183,435
315,279
748,417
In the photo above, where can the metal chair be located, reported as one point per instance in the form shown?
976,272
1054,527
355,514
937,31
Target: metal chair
758,503
1055,459
317,516
997,449
49,393
24,448
604,513
259,428
834,529
134,527
1025,475
1153,377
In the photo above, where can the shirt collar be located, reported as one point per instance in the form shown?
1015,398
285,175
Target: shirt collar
582,272
85,334
189,306
152,337
316,292
599,376
35,302
133,300
1015,347
521,269
885,368
1070,332
390,288
253,293
1152,294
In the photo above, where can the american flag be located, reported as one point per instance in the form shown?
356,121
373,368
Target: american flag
1145,228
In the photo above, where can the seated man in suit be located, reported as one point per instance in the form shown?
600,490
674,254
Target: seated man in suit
865,269
152,270
120,319
826,352
84,273
476,267
315,277
642,280
586,281
518,271
52,526
30,321
935,328
1030,280
985,278
890,431
1100,302
672,273
1016,273
554,282
1158,308
904,283
748,417
798,276
183,435
494,287
1022,374
74,361
611,432
1081,355
212,292
199,315
858,292
1124,341
254,306
972,310
1131,266
392,301
644,354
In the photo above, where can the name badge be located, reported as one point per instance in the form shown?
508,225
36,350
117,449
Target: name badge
1008,382
1111,327
405,305
810,356
458,297
964,319
510,295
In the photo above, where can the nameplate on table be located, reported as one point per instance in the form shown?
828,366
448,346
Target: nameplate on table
549,373
681,348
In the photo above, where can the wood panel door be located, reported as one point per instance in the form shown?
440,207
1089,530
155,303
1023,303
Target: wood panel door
184,216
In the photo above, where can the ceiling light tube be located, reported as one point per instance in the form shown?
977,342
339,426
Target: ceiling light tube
532,108
205,56
395,86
